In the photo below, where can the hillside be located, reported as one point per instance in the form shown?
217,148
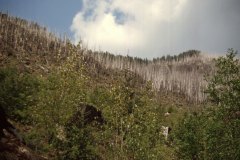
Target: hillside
68,102
182,74
34,51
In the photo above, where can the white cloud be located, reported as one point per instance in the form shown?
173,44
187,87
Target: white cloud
97,24
150,28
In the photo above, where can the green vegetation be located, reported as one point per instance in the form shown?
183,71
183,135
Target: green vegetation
214,133
48,102
17,92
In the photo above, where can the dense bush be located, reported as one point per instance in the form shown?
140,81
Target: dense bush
189,135
17,90
60,92
215,132
133,122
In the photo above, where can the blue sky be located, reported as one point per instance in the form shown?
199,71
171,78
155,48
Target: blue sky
143,28
57,15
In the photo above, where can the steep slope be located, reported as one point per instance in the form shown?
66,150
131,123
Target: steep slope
32,48
182,74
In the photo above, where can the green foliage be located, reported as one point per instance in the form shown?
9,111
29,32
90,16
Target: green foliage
16,92
189,137
60,93
215,132
133,119
224,87
219,141
80,143
133,122
223,131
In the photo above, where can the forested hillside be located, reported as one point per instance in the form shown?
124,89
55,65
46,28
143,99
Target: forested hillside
63,101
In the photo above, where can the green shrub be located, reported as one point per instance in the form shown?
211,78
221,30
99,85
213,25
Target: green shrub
189,137
223,129
215,133
133,122
60,93
17,92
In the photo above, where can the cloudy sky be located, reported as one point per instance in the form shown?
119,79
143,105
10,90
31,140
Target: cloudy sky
143,28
